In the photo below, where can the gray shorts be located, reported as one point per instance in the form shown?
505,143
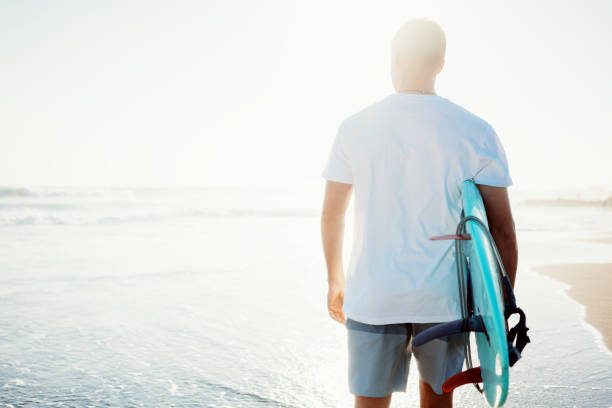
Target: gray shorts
379,357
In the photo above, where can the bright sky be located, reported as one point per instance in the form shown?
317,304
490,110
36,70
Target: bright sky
151,93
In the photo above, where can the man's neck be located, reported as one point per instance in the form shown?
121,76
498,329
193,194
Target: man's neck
417,87
418,92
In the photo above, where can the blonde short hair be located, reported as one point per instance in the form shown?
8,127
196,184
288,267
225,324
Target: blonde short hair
419,46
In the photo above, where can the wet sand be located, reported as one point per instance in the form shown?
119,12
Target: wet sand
591,285
599,240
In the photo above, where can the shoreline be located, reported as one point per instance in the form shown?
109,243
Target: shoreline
591,285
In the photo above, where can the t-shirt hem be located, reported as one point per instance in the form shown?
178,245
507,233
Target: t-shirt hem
506,183
337,179
403,319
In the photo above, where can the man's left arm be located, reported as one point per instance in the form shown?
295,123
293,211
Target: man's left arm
335,203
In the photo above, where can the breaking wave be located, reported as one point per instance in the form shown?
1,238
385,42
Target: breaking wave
89,219
21,192
21,206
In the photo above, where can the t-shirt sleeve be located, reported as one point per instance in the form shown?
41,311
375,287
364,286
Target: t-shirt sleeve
492,163
338,167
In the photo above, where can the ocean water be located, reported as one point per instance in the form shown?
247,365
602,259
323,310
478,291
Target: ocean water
216,298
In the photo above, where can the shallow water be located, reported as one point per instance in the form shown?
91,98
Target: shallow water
216,298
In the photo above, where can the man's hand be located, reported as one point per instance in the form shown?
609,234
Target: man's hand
335,300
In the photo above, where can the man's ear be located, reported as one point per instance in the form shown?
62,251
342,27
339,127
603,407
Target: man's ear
441,66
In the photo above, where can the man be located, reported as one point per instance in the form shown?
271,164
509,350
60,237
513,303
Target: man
406,157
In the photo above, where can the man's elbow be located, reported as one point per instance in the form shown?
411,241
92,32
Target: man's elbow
505,237
329,217
332,216
505,232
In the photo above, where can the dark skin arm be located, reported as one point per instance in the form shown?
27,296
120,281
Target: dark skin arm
501,225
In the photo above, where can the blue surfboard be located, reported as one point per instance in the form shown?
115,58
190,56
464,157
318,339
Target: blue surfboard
482,282
487,299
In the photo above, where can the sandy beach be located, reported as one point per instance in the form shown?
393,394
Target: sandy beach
591,285
604,240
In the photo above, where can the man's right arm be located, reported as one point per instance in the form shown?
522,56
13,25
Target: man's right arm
501,225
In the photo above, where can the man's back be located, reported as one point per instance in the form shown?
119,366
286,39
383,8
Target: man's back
407,156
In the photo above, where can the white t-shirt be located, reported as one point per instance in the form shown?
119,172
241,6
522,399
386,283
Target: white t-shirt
407,156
